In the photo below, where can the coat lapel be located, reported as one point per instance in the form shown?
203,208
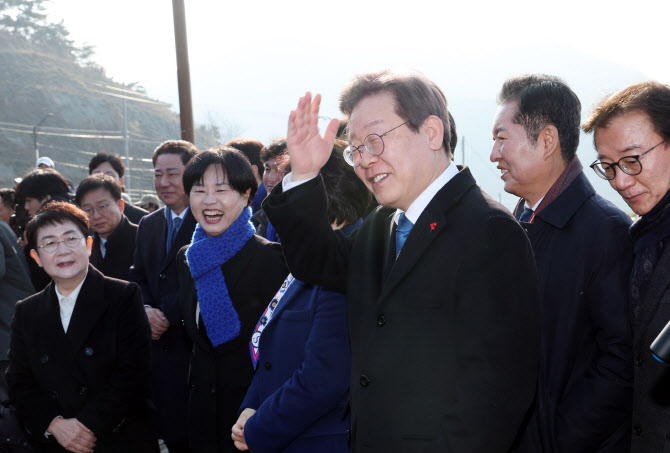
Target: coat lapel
89,307
430,224
389,246
57,344
52,325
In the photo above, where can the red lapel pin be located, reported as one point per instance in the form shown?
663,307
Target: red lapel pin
433,226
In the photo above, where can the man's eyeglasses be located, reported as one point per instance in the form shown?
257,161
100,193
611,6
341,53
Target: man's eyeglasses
630,165
101,209
373,144
50,246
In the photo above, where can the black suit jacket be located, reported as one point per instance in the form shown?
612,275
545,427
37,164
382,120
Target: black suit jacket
120,251
97,372
220,376
134,213
445,339
155,270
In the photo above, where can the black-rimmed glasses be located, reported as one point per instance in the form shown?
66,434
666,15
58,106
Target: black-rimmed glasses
50,246
630,165
373,144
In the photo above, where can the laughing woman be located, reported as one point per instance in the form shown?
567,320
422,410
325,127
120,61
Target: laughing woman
221,292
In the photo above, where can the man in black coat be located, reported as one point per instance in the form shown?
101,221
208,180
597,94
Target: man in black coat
160,235
79,355
113,234
632,136
583,256
444,333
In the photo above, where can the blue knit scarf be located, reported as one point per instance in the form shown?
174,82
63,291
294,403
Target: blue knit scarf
205,257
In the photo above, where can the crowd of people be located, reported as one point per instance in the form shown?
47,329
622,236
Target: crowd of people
351,290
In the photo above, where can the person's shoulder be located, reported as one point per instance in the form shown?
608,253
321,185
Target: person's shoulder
31,303
260,244
110,284
153,218
601,207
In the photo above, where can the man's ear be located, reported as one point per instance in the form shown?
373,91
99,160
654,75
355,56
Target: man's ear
89,244
34,255
254,170
548,142
121,204
122,181
434,129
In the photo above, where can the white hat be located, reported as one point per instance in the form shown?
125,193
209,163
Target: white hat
46,161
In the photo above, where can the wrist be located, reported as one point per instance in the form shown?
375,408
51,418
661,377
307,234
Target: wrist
303,176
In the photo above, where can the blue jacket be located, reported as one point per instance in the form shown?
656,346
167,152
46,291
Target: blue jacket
301,383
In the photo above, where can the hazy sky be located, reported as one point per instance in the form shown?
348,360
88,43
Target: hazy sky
251,60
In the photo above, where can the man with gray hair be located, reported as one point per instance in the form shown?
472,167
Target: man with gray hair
583,257
444,336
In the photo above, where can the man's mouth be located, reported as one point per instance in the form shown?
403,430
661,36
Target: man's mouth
212,215
65,264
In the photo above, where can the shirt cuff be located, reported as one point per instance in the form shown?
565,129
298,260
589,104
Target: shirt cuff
288,183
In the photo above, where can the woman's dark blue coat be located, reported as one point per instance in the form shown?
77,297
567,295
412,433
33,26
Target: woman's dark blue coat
301,384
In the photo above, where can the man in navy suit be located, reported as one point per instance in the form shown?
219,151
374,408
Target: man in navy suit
444,333
160,235
583,255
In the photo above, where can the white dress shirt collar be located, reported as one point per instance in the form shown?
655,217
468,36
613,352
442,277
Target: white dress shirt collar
418,206
67,303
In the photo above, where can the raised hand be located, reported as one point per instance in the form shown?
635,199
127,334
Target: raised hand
308,150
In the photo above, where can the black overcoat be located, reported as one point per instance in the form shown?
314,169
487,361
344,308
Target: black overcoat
651,390
445,338
584,256
97,372
220,376
155,270
120,251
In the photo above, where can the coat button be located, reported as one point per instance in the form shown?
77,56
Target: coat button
268,365
88,351
44,359
53,395
381,322
365,381
212,391
83,391
162,275
637,430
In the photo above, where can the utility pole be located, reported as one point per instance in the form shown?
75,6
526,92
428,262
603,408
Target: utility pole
37,151
463,150
183,72
125,144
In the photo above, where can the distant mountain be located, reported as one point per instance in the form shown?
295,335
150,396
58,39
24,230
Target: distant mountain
78,111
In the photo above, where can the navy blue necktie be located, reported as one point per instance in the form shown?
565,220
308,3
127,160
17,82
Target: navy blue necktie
404,227
526,215
176,223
